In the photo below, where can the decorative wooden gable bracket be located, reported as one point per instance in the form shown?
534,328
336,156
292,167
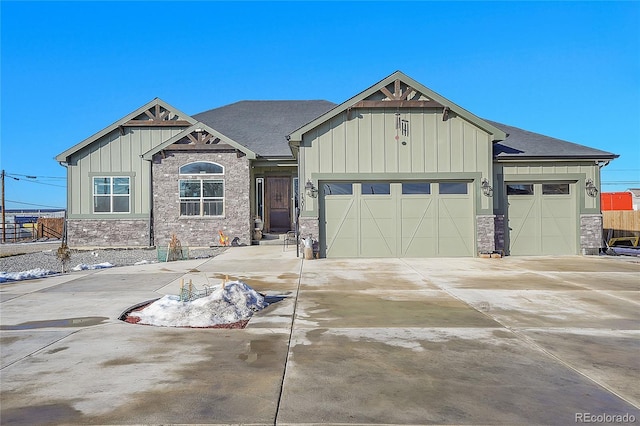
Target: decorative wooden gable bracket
399,98
197,137
202,137
156,116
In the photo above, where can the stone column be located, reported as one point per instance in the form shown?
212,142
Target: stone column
590,234
486,236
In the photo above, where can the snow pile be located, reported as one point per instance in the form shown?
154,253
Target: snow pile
84,266
24,275
235,302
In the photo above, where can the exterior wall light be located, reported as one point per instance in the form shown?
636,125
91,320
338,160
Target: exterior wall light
487,190
592,190
312,191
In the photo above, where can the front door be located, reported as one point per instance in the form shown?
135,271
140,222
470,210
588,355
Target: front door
278,203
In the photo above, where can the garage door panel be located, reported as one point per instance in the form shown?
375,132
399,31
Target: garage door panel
377,226
341,226
418,231
455,227
542,224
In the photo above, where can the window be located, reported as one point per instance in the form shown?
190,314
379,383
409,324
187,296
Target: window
111,195
520,189
409,188
376,188
260,198
202,167
201,197
453,188
555,189
337,188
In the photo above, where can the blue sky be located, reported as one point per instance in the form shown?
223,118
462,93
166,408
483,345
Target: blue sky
570,70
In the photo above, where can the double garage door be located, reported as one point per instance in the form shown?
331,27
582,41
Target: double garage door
397,219
542,218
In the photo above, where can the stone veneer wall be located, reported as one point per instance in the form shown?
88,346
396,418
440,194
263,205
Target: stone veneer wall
485,233
309,226
201,231
107,233
590,233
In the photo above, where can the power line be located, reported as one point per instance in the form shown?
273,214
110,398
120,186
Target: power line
31,204
30,179
37,177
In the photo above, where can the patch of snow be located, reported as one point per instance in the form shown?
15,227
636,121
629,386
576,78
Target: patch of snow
144,262
24,275
235,302
84,266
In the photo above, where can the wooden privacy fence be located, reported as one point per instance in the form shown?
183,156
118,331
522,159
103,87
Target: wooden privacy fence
622,223
50,227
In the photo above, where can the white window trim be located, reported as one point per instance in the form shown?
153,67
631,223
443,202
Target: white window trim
202,198
110,195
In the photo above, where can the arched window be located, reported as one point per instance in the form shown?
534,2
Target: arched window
201,195
202,168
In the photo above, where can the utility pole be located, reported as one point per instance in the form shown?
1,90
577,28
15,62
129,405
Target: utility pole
4,225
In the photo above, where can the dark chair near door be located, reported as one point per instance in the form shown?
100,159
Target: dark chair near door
289,238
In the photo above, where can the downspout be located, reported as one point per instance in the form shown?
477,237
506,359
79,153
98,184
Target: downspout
151,237
65,164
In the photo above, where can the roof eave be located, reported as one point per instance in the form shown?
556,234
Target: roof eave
556,158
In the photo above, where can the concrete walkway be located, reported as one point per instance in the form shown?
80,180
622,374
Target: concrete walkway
385,341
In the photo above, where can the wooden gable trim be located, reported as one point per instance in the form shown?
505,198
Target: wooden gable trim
397,104
199,137
393,99
156,123
155,103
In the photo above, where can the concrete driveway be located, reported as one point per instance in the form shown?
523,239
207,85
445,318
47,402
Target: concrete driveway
386,341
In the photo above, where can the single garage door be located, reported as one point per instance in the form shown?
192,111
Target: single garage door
396,219
542,218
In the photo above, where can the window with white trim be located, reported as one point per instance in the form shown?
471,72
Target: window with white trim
111,194
202,194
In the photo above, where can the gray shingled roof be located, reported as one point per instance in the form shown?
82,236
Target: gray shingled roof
524,144
263,126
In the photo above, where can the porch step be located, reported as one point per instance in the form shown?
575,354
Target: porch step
271,240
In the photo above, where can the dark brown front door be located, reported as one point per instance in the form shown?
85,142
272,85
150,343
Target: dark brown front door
278,203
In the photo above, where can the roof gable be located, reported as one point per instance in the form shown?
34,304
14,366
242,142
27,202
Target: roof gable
156,113
199,136
398,90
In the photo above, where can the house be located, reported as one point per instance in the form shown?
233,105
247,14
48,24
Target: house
635,198
395,171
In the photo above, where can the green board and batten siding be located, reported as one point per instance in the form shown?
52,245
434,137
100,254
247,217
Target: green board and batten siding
115,155
365,145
